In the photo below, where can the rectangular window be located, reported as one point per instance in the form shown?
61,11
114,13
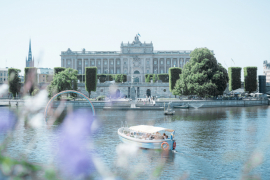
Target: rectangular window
1,79
118,62
147,71
125,71
98,71
125,62
161,71
147,62
105,62
161,62
68,62
80,71
111,71
155,62
174,62
80,63
98,62
118,71
92,63
168,62
111,62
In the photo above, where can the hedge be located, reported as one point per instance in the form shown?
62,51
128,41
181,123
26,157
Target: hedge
14,81
250,77
234,78
163,77
58,69
174,73
120,78
105,77
90,79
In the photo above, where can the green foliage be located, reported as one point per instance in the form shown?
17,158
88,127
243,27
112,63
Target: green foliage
58,70
30,76
64,80
36,90
123,78
91,79
100,98
163,77
49,77
147,78
250,77
154,78
234,78
105,77
14,81
174,73
202,75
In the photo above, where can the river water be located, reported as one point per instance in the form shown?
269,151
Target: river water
212,143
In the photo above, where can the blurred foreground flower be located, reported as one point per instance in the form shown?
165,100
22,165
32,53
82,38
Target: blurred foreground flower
7,120
73,156
3,89
124,152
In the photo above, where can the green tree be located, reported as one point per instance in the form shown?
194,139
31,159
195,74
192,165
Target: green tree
14,81
58,69
202,75
90,79
147,79
117,78
30,78
64,80
154,78
174,73
250,77
234,78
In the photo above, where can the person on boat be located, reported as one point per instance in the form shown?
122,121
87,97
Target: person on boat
164,136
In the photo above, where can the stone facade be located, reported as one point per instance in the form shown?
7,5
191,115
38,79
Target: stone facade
135,59
124,89
3,75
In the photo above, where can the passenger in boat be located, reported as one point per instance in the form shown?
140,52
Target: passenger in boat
164,136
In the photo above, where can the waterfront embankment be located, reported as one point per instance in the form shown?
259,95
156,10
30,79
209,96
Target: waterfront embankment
125,104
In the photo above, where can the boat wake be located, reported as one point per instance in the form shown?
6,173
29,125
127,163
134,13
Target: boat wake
196,106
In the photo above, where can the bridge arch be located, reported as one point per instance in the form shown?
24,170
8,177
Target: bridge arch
66,92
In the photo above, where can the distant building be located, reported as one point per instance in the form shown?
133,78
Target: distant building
3,75
45,75
266,71
30,61
134,59
21,78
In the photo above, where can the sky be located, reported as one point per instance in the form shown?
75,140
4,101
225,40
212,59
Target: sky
238,30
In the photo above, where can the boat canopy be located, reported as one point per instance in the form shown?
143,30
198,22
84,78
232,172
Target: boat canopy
149,129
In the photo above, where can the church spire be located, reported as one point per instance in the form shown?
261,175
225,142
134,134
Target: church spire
30,45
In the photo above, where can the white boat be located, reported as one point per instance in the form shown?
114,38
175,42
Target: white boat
150,137
169,110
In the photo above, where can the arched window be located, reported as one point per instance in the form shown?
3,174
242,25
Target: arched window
136,72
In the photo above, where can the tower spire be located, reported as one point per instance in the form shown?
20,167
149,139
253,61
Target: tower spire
30,45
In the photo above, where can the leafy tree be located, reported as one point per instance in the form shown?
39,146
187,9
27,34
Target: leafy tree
58,70
174,73
202,75
250,77
117,78
154,78
123,78
14,81
30,78
90,79
64,80
147,79
234,78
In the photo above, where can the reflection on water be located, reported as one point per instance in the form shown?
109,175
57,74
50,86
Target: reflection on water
212,143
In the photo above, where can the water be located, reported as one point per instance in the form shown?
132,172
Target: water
212,143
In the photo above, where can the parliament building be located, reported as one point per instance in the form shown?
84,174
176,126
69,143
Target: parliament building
134,59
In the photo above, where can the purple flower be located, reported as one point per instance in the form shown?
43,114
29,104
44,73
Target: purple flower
7,120
73,156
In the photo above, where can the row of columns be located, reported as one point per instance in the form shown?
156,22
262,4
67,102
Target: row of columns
171,63
74,63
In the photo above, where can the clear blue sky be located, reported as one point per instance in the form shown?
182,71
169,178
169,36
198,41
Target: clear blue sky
233,29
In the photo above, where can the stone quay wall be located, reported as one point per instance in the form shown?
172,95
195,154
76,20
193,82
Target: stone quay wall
200,104
141,89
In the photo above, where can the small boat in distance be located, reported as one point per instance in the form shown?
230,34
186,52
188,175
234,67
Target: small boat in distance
149,137
186,106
